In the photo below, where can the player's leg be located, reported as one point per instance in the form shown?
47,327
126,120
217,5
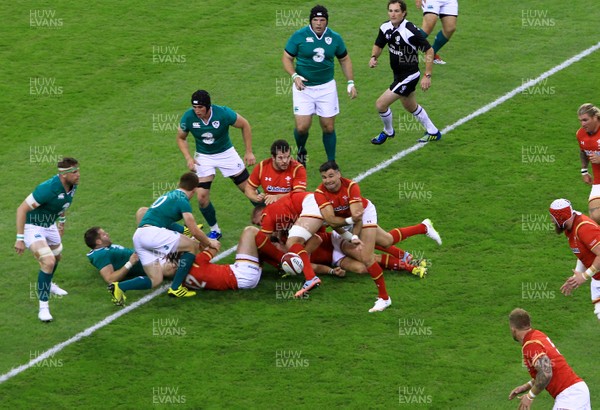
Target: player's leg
57,252
302,230
47,261
444,35
383,104
594,204
367,236
303,123
429,21
247,244
188,248
206,207
327,108
409,102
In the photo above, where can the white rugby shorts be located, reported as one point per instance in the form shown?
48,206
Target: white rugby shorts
447,7
228,162
153,244
316,99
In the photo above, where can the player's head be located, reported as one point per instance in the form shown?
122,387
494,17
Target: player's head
331,176
188,181
561,212
396,10
319,17
68,169
589,117
257,213
201,102
280,151
96,237
519,320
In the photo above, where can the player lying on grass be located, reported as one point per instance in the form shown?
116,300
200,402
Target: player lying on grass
115,262
335,256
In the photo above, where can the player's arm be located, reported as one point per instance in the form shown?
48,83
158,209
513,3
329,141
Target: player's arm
252,193
204,240
346,64
426,80
243,123
330,218
585,161
27,205
579,278
110,275
543,365
288,65
375,53
185,150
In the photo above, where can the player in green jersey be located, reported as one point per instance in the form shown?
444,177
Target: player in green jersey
40,225
314,48
154,242
209,124
115,262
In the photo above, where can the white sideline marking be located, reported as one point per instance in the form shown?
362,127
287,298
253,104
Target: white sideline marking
482,110
57,348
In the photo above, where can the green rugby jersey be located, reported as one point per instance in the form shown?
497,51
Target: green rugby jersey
211,137
315,56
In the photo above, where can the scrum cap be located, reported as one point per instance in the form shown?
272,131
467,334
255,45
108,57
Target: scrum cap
561,211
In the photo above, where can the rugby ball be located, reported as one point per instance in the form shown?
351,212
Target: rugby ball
292,264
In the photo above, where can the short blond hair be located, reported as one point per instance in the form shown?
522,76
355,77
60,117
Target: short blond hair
589,109
519,319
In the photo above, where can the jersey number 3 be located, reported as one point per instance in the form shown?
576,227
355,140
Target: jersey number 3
319,54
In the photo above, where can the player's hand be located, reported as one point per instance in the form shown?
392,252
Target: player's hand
19,247
420,3
518,390
213,243
249,158
191,164
260,197
594,158
372,62
339,272
526,402
61,229
352,93
587,178
269,199
425,83
299,82
134,258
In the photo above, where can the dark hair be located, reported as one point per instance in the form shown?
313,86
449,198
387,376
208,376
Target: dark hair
201,97
329,165
279,146
188,181
318,11
91,236
401,2
67,162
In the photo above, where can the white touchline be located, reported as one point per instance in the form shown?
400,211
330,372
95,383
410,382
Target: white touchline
57,348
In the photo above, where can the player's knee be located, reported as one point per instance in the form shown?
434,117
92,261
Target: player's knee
302,129
595,215
381,106
448,31
241,177
47,262
597,310
328,128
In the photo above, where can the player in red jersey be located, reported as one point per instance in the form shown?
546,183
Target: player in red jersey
277,175
332,257
584,236
243,274
342,204
588,137
548,368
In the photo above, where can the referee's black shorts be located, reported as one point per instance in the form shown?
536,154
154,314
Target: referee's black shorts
405,84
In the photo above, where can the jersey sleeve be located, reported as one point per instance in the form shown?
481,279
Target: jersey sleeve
532,351
229,115
254,179
320,198
299,181
292,45
417,40
354,193
43,193
380,41
183,123
590,235
100,259
340,51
